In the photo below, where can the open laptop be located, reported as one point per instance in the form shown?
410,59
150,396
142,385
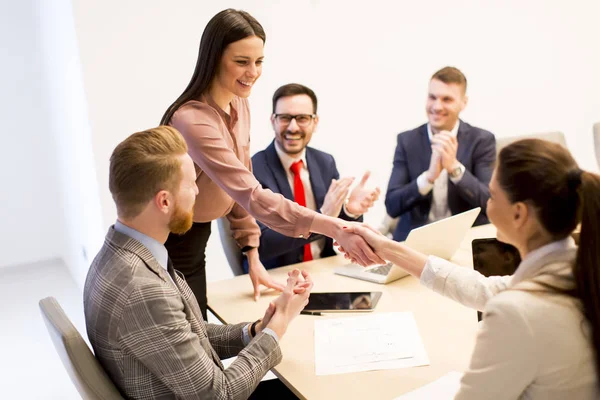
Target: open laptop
441,238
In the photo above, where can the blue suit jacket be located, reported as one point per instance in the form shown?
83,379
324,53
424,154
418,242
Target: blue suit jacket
277,250
476,151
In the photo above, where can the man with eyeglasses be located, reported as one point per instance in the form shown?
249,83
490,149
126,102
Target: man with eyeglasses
305,175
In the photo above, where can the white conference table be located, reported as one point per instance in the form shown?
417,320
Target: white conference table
447,329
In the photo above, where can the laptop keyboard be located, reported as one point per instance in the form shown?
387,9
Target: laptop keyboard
380,270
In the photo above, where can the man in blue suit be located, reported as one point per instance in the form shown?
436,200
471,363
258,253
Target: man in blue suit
305,175
444,167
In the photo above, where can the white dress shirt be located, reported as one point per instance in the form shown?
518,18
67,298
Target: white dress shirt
439,203
531,344
316,246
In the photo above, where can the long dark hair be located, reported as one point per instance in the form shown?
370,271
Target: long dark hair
545,175
226,27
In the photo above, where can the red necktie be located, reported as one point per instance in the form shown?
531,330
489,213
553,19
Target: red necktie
300,198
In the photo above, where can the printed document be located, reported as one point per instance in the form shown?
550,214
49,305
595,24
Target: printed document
366,343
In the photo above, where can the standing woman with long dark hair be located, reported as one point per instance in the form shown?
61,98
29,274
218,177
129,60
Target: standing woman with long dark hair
540,334
213,115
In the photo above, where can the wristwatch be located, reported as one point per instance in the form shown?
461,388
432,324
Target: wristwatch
246,249
253,328
457,171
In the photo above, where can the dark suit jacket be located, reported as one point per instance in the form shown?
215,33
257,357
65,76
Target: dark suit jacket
476,151
277,250
149,335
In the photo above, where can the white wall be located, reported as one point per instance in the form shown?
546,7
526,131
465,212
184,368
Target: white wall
51,207
69,124
30,215
532,66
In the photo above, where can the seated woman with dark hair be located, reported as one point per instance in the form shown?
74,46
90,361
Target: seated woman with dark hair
540,336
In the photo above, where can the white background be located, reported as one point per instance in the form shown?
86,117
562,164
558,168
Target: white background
50,204
29,215
531,66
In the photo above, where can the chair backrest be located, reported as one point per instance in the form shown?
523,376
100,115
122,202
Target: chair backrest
85,371
597,142
230,247
388,225
556,137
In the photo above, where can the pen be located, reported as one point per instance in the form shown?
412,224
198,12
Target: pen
310,312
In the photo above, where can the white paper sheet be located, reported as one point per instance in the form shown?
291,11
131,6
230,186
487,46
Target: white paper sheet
445,388
366,343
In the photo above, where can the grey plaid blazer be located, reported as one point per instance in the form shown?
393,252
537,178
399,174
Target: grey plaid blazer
150,337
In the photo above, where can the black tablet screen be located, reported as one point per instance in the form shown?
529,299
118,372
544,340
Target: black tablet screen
343,301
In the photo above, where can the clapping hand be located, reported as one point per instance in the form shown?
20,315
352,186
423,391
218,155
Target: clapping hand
336,195
361,198
289,304
446,145
435,165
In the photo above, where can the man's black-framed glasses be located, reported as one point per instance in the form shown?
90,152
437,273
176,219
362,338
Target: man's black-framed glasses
301,119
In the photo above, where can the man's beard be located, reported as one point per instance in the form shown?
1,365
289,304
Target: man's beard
181,221
293,151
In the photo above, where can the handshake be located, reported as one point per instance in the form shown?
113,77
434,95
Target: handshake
367,244
380,248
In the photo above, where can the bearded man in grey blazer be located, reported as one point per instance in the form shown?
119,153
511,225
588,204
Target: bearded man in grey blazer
142,319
